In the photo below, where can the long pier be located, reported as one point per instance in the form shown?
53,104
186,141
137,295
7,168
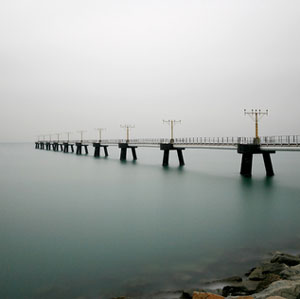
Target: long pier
245,146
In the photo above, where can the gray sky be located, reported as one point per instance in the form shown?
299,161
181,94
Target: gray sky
67,65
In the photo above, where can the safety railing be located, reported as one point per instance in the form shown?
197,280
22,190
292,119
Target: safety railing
286,140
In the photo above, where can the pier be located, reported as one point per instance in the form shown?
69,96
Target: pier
245,146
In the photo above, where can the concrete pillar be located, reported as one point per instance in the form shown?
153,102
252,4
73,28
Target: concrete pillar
166,157
105,151
246,166
268,164
66,147
78,148
133,153
97,151
123,154
180,157
86,149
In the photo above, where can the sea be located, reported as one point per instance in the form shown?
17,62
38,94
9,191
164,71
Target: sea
83,227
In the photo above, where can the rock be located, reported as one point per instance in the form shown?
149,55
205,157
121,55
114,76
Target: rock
235,291
204,295
256,274
290,272
283,258
275,297
185,295
259,273
274,268
267,281
284,288
250,271
231,279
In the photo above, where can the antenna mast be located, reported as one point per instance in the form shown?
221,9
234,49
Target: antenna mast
81,135
128,128
68,134
256,115
172,123
100,132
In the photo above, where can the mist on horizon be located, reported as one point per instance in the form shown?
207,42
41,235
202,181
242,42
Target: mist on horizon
79,65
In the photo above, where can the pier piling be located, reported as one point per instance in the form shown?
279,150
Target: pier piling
247,151
123,154
167,147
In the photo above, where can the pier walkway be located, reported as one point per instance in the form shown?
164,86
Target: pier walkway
245,146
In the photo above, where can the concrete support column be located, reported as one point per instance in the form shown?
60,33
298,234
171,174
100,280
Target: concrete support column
78,148
133,153
268,164
123,154
97,151
247,151
180,157
246,166
66,147
86,149
167,147
166,157
105,151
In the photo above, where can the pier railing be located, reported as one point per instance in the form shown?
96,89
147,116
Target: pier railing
285,140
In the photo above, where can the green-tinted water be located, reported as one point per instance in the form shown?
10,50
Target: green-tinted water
75,226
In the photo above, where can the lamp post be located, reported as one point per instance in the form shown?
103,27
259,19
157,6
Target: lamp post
256,115
172,123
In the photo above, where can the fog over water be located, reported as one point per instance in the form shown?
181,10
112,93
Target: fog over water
67,65
79,227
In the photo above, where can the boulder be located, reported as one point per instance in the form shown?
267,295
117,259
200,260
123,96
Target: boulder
259,273
231,279
204,295
256,274
267,281
290,272
185,295
283,258
274,268
285,288
250,271
236,291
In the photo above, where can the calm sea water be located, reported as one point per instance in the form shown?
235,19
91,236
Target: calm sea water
74,226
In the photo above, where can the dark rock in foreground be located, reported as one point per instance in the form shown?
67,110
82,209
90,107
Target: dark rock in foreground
235,291
283,258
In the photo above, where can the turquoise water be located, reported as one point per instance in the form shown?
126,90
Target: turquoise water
74,226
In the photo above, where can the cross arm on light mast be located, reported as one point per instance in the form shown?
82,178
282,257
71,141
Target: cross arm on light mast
58,134
68,135
127,128
172,123
100,132
81,135
256,115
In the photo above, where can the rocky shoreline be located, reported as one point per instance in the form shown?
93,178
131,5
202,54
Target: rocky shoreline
275,278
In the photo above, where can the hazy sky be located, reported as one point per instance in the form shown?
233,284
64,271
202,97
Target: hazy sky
67,65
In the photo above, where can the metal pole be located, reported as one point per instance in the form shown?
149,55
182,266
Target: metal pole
256,125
